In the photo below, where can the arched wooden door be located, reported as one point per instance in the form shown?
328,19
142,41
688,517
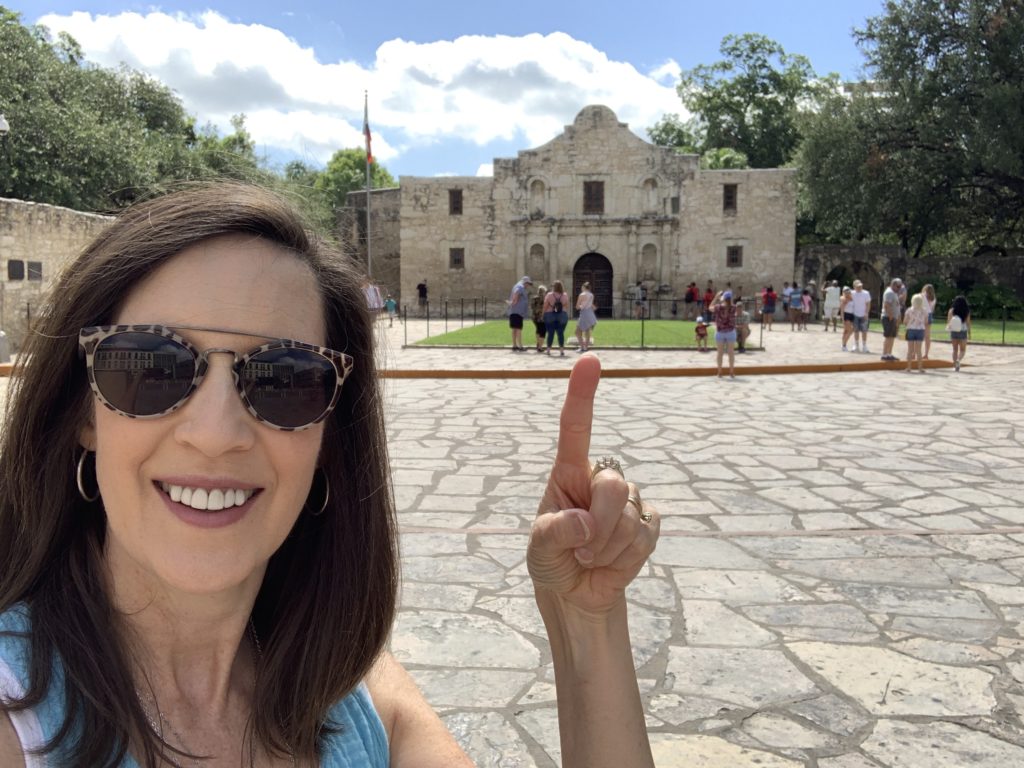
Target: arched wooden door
595,269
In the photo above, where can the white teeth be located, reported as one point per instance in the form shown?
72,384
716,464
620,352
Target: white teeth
207,500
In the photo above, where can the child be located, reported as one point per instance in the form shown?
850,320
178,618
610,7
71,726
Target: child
916,319
806,303
392,309
701,331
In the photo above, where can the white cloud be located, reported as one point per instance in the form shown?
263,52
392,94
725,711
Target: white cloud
476,88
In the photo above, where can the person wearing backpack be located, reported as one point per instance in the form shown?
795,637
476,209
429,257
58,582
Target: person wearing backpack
556,315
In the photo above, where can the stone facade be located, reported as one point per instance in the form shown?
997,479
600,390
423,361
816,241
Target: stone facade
385,250
597,203
36,240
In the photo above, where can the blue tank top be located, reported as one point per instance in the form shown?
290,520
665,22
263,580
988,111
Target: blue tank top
361,741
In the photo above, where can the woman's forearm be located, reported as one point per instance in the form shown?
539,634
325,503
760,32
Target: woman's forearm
600,714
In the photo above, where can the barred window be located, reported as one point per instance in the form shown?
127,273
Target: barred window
734,256
454,202
35,270
593,197
456,258
15,269
729,195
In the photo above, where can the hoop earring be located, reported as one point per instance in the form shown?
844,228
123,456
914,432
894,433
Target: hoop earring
79,472
327,492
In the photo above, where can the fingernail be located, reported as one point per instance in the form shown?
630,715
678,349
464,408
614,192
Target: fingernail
582,528
584,555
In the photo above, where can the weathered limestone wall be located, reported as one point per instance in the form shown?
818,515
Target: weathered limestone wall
764,224
385,250
428,232
33,232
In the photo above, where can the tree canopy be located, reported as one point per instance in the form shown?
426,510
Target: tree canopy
752,100
930,149
95,139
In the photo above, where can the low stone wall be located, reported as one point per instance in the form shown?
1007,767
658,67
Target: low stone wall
36,241
877,264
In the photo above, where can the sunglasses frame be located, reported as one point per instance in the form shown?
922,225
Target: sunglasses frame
91,337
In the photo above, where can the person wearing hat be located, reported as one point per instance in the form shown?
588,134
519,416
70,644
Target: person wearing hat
518,303
724,314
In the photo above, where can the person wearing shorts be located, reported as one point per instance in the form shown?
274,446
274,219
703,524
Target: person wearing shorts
916,320
724,314
518,304
846,310
861,302
831,308
891,315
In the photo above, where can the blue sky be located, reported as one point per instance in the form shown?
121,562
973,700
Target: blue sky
451,84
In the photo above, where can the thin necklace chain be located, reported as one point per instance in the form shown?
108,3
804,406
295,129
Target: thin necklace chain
158,723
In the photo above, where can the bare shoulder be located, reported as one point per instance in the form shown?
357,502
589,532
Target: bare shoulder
10,745
416,734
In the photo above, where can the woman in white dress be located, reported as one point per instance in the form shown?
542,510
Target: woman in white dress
587,319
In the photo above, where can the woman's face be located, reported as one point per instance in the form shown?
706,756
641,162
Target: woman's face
238,283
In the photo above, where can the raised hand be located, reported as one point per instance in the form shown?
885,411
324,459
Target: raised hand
588,540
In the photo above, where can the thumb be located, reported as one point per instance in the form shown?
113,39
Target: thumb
558,546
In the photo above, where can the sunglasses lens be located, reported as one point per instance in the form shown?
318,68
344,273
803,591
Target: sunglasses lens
143,374
289,387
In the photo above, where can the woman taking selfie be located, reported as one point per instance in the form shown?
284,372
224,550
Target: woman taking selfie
197,535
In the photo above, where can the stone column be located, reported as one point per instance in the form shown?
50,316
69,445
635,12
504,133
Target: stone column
552,252
632,254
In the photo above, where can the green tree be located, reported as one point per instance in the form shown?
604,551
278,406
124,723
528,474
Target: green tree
723,158
346,172
81,136
753,99
672,131
930,149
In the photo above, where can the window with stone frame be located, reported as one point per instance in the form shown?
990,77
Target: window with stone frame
734,256
675,205
729,195
456,258
35,270
15,269
454,202
593,197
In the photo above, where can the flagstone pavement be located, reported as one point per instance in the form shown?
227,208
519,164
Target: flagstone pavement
839,583
840,580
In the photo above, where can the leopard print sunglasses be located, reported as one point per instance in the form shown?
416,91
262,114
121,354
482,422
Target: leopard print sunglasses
148,371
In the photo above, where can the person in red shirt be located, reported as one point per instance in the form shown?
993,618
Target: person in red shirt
709,296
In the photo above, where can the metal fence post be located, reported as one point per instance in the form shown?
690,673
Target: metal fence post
405,322
1004,323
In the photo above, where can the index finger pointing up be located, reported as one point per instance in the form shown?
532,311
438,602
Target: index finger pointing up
578,413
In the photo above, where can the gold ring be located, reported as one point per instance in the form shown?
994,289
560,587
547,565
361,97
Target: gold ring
645,516
607,462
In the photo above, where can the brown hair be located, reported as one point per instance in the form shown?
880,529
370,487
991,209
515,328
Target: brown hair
929,291
327,602
558,287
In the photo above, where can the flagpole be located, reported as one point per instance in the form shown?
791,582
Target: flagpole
369,161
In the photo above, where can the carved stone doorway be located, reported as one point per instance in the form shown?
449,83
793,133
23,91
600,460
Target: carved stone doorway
595,269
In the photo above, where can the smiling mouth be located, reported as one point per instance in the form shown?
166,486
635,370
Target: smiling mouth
207,499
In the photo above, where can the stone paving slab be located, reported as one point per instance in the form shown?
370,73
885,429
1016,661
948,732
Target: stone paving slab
840,581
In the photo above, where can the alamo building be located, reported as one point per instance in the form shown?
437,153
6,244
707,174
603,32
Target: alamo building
596,203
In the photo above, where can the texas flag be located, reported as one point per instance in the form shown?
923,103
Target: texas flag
366,132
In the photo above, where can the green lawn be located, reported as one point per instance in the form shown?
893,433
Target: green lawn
609,333
982,331
675,333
